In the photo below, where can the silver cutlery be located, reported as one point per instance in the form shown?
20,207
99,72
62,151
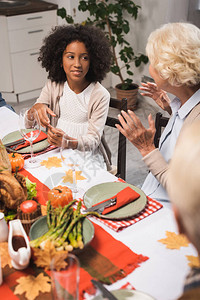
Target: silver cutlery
106,293
15,143
101,206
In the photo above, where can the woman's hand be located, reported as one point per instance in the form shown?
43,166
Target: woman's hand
54,136
43,111
136,133
159,96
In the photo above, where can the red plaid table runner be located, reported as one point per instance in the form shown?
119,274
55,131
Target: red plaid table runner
49,148
151,207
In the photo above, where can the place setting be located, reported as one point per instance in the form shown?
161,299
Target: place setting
29,140
119,204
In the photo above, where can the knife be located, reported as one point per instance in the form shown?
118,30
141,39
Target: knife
100,207
18,142
103,290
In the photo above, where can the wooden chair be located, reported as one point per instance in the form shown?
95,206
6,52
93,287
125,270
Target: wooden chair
160,123
111,121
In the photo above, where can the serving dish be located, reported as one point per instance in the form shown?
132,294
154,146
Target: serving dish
40,227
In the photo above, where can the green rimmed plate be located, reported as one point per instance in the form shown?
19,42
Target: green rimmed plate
15,135
40,227
107,190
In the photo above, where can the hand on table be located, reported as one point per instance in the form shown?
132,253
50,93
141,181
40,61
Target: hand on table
43,111
136,133
159,96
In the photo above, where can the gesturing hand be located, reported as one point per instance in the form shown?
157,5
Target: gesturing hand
54,136
159,96
43,111
136,133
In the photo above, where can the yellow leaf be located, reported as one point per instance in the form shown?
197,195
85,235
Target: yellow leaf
43,257
174,241
193,261
69,176
79,176
5,257
32,286
52,162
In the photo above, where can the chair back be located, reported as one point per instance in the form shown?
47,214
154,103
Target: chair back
160,123
111,121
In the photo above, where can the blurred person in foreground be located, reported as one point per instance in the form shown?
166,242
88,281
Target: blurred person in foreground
184,192
174,54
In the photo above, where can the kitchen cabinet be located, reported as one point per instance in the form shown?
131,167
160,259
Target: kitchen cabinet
20,40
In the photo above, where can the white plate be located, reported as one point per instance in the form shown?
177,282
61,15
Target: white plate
125,294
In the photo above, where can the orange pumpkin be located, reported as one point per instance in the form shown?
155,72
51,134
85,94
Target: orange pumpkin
60,196
17,161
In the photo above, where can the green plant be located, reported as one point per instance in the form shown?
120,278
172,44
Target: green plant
110,15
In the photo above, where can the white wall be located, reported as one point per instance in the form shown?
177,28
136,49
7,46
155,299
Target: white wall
152,15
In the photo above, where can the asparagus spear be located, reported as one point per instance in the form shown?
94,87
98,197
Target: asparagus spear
59,220
65,209
49,213
79,234
53,228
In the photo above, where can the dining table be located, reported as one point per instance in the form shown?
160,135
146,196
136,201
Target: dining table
162,270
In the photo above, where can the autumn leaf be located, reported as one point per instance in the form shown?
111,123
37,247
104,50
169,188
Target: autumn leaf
32,286
5,257
52,162
79,176
193,261
44,256
174,241
69,176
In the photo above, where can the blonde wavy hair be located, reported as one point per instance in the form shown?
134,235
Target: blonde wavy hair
174,52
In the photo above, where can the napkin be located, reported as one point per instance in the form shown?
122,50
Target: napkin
42,136
123,197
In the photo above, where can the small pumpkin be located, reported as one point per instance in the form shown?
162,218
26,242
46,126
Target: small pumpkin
60,196
17,161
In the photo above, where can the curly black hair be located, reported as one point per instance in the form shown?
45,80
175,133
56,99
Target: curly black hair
96,43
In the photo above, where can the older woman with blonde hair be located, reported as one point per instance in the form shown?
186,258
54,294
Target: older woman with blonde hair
174,54
184,191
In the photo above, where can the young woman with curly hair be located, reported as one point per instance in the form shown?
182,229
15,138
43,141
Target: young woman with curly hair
174,54
73,102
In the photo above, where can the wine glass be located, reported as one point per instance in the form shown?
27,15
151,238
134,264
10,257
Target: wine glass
65,281
30,128
73,158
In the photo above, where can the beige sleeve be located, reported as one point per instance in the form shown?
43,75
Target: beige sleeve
158,166
156,162
45,95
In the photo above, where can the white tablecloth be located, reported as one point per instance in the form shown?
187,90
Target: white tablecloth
8,121
162,275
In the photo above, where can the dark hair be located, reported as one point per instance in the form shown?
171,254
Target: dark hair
96,43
